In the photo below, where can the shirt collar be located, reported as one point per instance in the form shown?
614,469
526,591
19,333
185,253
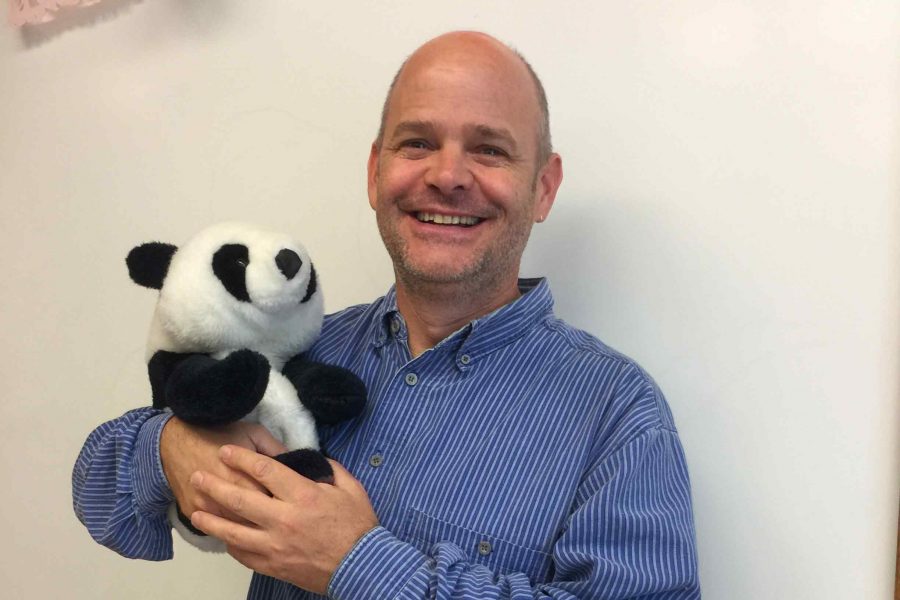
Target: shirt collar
485,334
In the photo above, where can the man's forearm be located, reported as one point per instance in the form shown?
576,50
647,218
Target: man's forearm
119,491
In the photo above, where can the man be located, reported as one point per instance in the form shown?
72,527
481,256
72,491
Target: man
503,453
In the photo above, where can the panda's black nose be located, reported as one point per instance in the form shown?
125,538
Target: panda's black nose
288,262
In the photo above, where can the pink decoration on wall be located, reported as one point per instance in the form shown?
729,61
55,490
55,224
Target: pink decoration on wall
31,12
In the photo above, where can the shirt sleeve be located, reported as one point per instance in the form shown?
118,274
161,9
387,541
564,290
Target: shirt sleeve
119,490
630,535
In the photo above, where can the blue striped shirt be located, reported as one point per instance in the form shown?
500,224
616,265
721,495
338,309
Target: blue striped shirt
518,458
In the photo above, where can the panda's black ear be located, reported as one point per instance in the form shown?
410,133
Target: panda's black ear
149,263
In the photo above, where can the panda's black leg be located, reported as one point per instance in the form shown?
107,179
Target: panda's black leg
204,391
332,394
309,463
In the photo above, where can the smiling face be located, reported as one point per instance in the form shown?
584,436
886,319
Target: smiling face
455,183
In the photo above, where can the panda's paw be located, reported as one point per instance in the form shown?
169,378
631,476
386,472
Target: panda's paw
206,391
332,394
246,368
309,463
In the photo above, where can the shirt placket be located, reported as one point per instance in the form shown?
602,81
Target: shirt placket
401,403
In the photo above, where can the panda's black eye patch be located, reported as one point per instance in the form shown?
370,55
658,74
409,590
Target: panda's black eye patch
229,263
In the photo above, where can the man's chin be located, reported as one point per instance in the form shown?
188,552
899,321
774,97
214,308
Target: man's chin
449,272
432,276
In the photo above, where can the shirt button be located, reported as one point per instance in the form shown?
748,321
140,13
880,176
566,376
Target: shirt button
395,326
484,547
411,379
465,359
376,460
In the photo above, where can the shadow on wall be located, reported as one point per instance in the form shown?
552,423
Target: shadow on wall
571,246
74,18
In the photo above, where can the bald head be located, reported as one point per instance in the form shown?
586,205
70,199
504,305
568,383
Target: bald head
461,47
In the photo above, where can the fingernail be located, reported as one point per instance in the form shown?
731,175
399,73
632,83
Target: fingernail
225,451
197,479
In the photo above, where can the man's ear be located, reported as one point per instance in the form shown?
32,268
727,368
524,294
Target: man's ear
548,181
372,174
149,263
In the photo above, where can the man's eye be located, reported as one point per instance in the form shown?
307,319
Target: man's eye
413,149
491,151
414,144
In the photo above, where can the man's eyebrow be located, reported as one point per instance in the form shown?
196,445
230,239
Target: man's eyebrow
418,127
492,132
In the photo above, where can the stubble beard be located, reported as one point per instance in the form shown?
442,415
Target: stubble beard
487,273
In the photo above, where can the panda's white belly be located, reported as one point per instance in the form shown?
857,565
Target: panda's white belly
281,412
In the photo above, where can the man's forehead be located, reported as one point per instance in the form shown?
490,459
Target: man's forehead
466,53
500,93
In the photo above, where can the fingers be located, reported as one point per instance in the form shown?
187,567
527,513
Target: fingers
244,481
235,535
249,505
204,503
281,481
186,448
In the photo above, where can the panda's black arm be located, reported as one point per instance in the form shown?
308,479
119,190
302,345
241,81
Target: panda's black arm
202,390
332,394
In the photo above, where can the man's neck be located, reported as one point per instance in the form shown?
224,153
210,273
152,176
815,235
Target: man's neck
434,312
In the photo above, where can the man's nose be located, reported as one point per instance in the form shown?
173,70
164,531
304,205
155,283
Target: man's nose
450,170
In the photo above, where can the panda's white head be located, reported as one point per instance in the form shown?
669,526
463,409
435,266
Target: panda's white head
231,286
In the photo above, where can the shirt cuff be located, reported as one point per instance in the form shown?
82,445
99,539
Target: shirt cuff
377,567
152,493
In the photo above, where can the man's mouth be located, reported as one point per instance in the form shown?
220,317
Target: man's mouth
463,221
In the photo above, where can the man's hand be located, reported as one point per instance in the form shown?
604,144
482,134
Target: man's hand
300,533
185,449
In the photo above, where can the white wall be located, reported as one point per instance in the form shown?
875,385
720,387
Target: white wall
729,218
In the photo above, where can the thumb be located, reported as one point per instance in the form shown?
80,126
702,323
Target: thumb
265,442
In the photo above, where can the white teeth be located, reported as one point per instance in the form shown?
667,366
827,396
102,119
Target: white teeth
446,219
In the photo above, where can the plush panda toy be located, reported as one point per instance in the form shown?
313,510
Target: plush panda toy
237,308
